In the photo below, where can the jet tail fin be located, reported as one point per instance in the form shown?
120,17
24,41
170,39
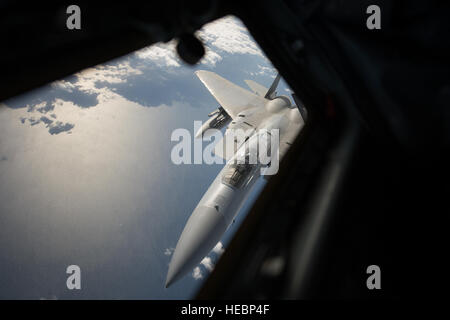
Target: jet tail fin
271,92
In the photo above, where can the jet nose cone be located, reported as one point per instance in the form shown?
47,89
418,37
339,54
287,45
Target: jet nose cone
203,230
169,281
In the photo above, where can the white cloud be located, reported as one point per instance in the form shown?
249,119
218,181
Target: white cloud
168,251
86,80
263,70
210,58
117,73
226,35
197,273
62,84
219,249
229,35
163,54
207,263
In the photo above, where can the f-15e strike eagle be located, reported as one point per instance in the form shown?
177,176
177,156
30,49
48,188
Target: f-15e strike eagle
258,114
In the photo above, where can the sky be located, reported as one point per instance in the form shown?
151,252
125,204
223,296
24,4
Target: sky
86,177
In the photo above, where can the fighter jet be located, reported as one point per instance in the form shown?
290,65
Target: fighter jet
257,114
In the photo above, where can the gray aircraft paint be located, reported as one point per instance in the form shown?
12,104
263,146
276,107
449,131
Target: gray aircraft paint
220,204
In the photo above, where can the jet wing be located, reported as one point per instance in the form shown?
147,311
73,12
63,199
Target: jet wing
231,97
257,88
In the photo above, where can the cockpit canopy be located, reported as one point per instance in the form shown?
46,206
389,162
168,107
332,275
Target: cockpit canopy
237,175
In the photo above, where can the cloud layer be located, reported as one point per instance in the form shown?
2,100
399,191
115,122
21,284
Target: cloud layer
207,264
142,77
225,36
